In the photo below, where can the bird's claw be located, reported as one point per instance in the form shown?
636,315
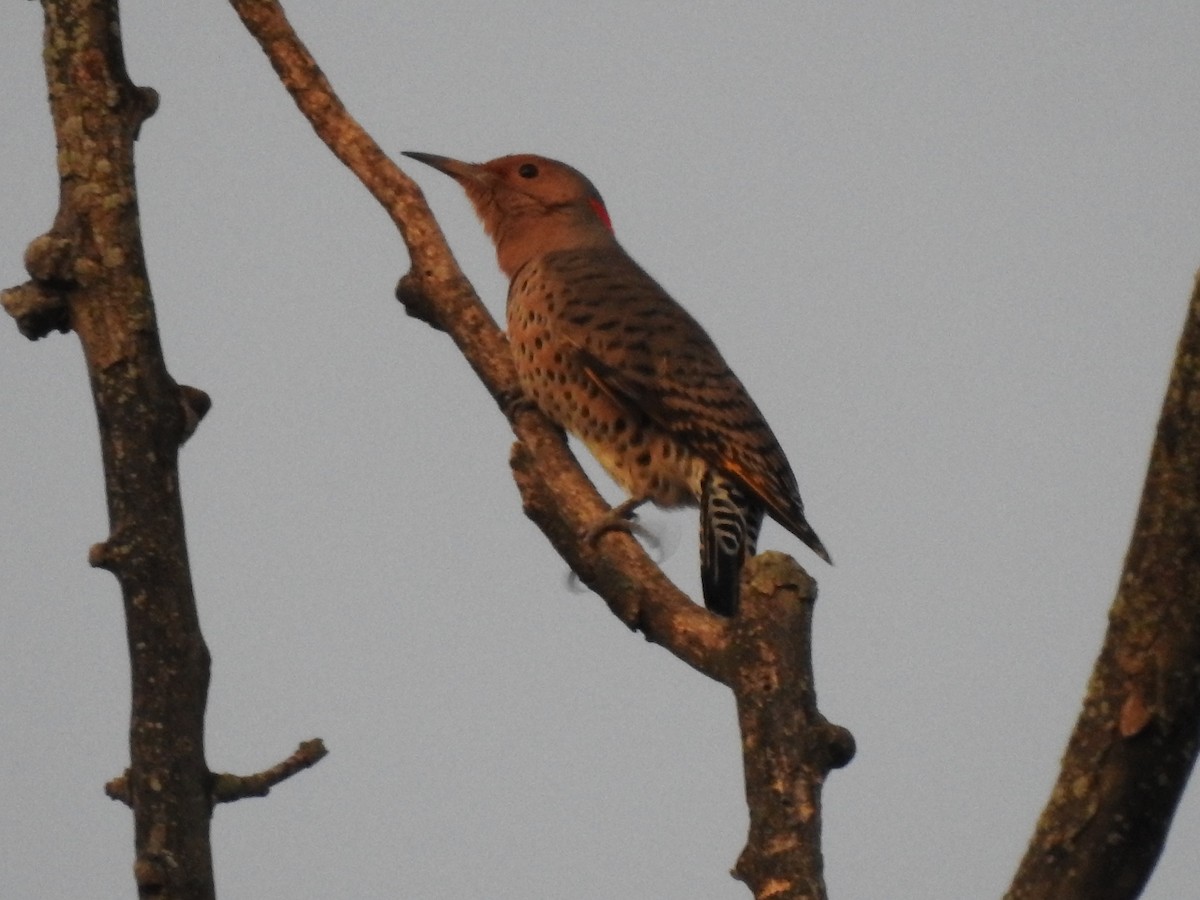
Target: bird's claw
619,518
514,402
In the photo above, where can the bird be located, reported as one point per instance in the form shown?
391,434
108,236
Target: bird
607,354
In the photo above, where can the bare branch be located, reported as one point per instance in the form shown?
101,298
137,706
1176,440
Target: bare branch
563,504
90,272
764,657
436,291
788,746
227,788
1136,739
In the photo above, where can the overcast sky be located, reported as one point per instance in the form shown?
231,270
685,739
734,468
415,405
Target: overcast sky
948,248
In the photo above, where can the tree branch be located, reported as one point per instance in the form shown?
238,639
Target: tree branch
765,660
89,274
226,787
788,747
1136,739
436,291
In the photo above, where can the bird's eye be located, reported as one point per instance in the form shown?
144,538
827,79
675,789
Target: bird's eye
528,170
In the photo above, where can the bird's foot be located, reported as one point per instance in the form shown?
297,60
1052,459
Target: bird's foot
619,518
514,402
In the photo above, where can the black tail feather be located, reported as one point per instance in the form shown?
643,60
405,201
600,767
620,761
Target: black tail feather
729,525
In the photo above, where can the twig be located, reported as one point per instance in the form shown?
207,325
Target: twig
228,788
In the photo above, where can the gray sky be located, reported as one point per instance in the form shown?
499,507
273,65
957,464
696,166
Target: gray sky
947,247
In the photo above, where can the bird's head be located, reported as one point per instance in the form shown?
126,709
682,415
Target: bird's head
529,205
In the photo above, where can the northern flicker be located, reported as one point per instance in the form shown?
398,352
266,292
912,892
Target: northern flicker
607,354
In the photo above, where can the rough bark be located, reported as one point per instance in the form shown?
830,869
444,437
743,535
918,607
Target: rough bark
764,657
788,748
1135,742
89,275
